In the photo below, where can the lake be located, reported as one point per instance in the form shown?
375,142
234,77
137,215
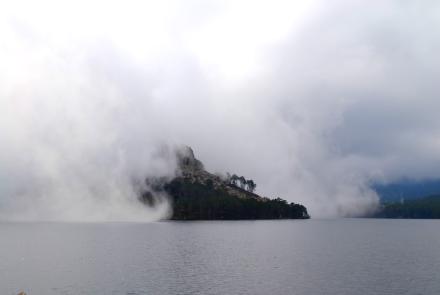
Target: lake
317,256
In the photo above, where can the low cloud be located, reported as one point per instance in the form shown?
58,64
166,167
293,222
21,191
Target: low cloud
313,101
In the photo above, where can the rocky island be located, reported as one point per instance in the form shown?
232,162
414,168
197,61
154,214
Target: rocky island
196,194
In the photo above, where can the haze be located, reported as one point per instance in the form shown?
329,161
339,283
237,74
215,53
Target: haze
311,99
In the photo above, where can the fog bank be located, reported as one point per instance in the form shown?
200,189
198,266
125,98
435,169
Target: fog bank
312,100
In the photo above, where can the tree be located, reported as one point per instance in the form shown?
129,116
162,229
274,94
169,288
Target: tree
234,179
251,185
228,177
242,181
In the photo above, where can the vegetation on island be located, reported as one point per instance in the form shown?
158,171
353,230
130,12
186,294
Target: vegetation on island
243,183
423,208
196,194
192,201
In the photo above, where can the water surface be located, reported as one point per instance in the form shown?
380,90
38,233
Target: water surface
340,256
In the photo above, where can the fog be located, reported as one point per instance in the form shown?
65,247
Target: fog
313,101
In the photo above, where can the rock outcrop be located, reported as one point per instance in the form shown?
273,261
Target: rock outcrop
192,170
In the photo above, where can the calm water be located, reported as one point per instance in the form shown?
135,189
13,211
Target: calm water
341,256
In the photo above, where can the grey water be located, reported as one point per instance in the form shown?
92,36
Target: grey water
336,256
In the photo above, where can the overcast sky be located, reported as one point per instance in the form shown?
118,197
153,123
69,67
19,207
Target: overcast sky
313,100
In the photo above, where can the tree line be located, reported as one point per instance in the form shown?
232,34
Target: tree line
424,208
197,201
241,182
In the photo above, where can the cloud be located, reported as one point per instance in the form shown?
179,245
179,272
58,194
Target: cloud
313,101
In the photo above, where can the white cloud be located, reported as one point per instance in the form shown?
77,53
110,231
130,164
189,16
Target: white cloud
311,100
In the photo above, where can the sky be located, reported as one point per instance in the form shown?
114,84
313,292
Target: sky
312,100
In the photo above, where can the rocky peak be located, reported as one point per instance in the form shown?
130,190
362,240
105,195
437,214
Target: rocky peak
187,161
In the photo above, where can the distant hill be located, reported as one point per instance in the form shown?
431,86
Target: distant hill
424,208
407,190
199,195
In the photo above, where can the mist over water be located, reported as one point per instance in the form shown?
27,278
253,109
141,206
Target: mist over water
312,102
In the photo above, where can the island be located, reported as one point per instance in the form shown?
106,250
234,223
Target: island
419,208
196,194
408,198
